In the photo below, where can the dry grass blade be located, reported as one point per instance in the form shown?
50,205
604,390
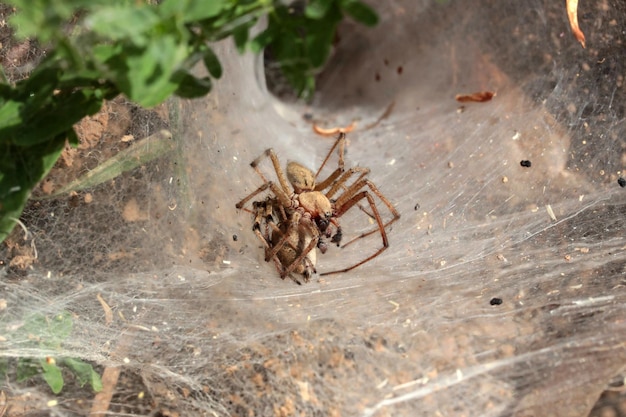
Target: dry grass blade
141,152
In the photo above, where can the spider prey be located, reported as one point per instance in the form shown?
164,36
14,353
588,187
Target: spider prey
267,213
308,211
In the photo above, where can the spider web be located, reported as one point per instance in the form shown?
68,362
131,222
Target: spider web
210,329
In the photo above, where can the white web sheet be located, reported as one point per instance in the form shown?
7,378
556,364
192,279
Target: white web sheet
202,317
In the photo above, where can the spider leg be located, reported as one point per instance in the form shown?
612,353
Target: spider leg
328,181
341,182
345,207
282,179
282,196
341,142
254,193
376,216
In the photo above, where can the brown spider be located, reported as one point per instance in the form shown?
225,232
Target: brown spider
309,211
272,216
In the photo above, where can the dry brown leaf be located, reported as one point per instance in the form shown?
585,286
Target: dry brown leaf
478,97
572,15
333,131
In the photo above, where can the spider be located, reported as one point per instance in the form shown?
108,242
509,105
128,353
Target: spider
297,239
309,210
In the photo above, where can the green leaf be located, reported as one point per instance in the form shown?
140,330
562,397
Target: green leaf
240,35
52,375
192,87
119,22
104,53
10,115
60,327
45,331
202,9
262,40
26,369
360,12
56,118
147,76
21,168
192,10
319,41
211,63
317,9
85,374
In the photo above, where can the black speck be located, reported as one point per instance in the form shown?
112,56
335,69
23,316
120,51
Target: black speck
525,163
235,238
622,182
495,301
417,206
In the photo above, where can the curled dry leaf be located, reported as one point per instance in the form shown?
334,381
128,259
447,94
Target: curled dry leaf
334,130
572,15
478,97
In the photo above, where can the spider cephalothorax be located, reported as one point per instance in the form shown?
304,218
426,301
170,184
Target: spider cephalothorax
309,212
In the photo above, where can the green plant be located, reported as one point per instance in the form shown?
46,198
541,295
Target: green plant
98,49
47,334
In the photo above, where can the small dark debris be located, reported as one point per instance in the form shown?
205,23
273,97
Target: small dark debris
417,206
400,69
525,163
386,61
307,116
377,77
495,301
622,182
235,238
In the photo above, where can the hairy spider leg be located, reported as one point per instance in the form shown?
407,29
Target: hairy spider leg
341,142
284,198
350,203
282,179
340,183
382,198
242,203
